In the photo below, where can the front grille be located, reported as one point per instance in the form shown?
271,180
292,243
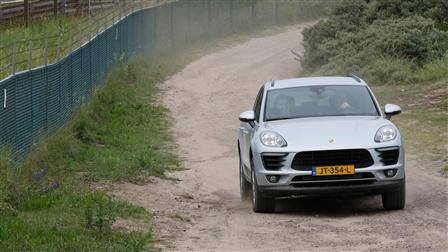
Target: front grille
274,160
388,156
304,161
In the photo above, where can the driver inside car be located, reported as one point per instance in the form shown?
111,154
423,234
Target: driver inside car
341,102
283,106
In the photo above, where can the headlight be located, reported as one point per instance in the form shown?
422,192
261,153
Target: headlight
385,133
272,139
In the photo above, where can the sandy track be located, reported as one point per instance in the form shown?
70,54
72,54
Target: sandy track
202,210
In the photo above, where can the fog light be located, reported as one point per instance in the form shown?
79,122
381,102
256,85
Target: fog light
390,173
272,178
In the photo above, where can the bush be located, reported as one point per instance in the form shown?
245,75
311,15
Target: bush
384,41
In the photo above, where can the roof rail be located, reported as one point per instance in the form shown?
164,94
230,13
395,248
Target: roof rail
356,78
272,83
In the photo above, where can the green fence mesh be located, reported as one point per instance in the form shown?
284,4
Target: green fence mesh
41,100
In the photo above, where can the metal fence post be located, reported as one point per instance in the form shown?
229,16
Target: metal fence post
46,52
80,34
58,49
97,27
13,65
46,83
30,54
70,41
71,72
119,11
89,29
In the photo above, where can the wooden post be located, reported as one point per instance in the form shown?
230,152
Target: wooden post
26,8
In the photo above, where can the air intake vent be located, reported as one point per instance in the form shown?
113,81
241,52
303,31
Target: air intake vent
304,161
274,160
308,178
388,156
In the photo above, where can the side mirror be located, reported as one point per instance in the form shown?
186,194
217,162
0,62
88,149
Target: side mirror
391,110
247,116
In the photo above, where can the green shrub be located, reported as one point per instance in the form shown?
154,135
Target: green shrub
383,41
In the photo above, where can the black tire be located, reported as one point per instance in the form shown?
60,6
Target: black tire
395,200
260,203
245,188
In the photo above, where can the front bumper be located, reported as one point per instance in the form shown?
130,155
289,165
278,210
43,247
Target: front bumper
376,187
372,179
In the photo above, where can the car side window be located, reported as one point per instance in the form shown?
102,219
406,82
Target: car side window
257,105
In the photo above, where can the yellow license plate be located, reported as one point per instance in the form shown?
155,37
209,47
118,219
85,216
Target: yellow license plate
333,170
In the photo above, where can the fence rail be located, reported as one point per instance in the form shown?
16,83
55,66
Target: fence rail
18,9
41,99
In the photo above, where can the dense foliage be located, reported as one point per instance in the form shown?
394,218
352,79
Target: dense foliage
386,41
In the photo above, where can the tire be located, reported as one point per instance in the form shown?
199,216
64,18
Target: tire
260,203
245,188
395,200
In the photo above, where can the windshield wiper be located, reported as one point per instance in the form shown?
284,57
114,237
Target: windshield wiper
280,118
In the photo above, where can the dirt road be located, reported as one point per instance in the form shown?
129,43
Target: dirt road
202,209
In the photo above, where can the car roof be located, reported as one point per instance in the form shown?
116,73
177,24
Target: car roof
314,81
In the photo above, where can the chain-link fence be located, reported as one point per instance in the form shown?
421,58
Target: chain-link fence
41,99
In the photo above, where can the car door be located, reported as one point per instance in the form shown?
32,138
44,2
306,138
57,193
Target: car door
247,132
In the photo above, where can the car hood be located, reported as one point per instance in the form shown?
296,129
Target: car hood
323,133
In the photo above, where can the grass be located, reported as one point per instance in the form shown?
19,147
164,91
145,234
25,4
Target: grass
121,135
424,121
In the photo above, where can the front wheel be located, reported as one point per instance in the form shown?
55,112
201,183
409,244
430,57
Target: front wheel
261,204
395,200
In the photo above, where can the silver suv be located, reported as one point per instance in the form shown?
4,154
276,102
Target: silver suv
320,136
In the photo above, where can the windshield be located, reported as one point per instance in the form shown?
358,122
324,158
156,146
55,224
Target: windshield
312,101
